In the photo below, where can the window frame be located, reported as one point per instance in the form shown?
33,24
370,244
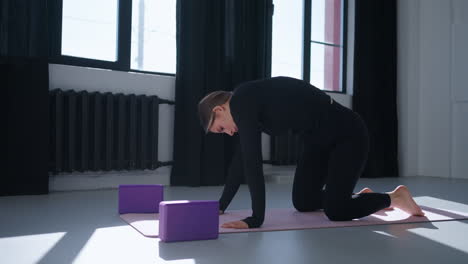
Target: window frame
307,40
124,38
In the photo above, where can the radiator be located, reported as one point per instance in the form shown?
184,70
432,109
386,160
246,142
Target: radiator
285,149
103,131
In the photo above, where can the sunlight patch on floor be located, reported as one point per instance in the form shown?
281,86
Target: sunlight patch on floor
181,261
442,203
31,250
118,244
453,235
384,233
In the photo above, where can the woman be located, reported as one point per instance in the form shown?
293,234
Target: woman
335,141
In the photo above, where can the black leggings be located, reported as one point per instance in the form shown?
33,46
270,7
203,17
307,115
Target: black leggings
335,160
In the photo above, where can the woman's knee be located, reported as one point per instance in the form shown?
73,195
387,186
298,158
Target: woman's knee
306,206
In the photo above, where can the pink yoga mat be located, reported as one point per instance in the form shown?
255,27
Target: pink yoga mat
290,219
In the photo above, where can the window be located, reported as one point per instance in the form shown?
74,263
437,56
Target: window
90,33
154,35
308,42
127,35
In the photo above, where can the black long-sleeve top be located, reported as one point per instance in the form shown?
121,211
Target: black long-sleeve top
274,106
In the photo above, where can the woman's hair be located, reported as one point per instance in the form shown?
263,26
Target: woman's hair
206,105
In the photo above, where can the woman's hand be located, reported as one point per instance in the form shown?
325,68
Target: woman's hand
235,225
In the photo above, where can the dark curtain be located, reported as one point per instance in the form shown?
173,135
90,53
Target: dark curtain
24,78
220,43
374,95
23,28
25,84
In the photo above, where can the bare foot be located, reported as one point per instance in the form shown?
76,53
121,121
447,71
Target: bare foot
236,225
401,198
365,190
369,190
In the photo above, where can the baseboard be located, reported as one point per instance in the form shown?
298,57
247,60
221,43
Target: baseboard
107,180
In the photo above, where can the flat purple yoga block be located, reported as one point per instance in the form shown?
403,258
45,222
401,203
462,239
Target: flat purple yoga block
188,220
140,198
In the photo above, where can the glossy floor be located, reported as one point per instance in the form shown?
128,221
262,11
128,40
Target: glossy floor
83,227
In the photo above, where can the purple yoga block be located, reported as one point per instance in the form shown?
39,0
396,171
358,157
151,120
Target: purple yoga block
140,198
188,220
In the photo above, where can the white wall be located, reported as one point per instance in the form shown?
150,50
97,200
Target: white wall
459,94
432,90
408,87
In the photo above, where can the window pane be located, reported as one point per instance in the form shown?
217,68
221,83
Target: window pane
326,21
154,35
89,29
325,67
287,39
